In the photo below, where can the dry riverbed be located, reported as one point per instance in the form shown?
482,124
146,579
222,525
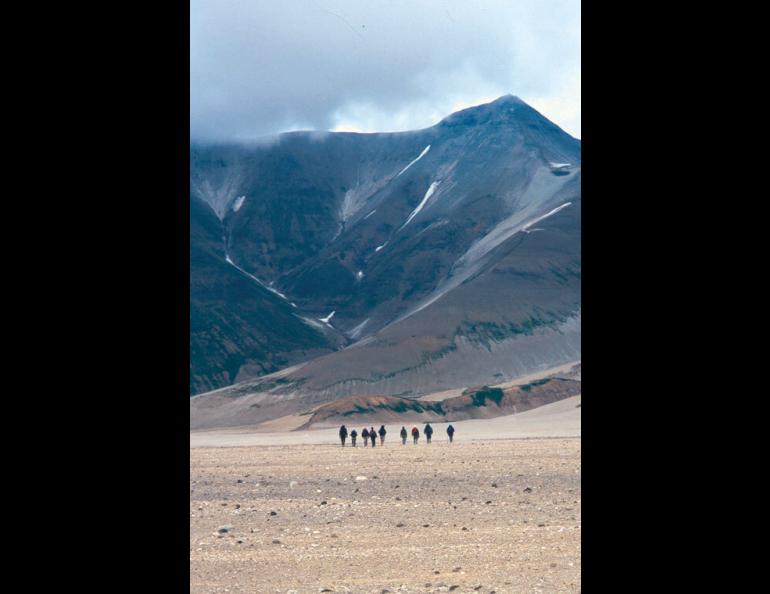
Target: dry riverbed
471,517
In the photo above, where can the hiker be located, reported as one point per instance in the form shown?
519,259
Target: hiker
343,435
365,435
403,435
382,433
415,434
354,434
428,432
373,436
450,431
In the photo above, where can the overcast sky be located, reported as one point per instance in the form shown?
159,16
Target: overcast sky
258,67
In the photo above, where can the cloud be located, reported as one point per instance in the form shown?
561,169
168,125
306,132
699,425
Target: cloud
258,67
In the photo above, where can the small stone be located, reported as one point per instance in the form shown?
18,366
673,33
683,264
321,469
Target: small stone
495,486
323,503
361,478
272,513
224,529
276,541
399,525
528,490
456,569
487,503
453,588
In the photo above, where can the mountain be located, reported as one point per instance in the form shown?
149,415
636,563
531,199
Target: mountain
437,258
237,326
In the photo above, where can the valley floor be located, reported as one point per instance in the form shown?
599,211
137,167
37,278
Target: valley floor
558,419
473,516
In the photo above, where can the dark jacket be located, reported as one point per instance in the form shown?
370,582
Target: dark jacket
450,429
354,433
403,431
428,430
343,431
365,433
382,430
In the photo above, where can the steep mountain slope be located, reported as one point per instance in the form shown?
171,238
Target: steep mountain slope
237,327
449,256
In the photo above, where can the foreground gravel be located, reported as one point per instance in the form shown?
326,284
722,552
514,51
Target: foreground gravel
478,517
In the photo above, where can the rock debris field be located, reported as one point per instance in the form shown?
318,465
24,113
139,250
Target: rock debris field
476,517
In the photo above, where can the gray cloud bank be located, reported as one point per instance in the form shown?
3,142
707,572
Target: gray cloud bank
259,67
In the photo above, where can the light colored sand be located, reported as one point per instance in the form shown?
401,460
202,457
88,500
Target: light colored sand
470,517
525,379
434,396
558,419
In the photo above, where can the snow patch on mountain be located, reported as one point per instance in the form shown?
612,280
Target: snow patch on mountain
260,282
422,203
327,318
421,155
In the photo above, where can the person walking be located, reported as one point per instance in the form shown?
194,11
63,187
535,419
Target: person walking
428,432
343,435
365,436
382,433
353,435
373,436
403,435
450,431
415,434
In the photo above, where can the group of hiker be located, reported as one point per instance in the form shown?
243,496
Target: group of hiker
371,435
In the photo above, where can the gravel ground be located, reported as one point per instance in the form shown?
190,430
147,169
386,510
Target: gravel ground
477,517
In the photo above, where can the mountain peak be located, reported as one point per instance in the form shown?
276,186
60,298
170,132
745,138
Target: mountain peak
504,109
506,100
